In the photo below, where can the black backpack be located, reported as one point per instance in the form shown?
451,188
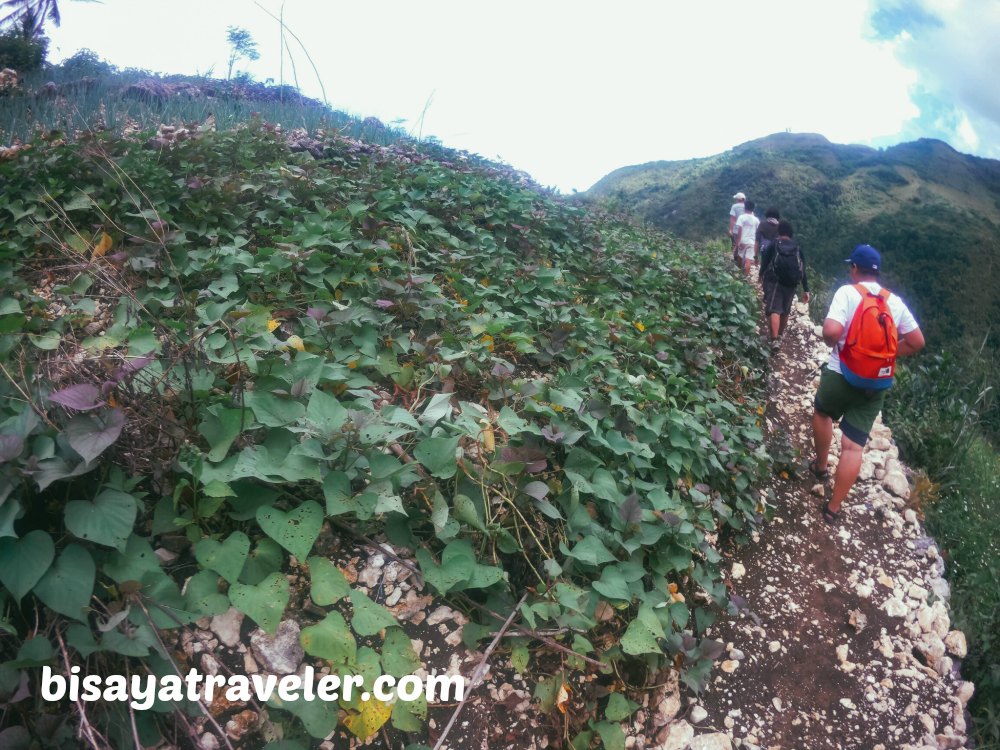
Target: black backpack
787,262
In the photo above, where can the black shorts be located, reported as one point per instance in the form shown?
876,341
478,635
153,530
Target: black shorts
777,297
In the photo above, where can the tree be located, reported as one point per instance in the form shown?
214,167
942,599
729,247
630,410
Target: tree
241,45
31,15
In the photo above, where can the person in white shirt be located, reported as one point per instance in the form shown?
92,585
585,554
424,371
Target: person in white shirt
746,236
735,212
836,399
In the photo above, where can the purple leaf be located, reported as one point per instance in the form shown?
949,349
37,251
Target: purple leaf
537,490
384,304
671,519
717,436
315,313
630,511
553,436
90,435
662,356
502,371
703,488
195,183
712,649
10,447
82,397
131,367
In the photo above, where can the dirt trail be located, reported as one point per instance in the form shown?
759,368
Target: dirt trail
846,639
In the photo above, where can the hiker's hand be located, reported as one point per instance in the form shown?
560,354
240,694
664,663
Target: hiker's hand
805,297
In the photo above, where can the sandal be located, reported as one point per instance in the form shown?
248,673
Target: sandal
829,516
824,474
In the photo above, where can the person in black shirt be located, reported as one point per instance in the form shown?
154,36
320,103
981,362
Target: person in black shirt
782,269
767,232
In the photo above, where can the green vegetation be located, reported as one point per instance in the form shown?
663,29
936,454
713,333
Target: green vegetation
940,411
204,337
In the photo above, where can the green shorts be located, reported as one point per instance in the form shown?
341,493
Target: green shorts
855,408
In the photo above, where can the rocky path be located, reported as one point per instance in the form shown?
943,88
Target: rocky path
845,641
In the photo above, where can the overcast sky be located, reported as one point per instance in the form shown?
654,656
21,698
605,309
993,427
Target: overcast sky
569,90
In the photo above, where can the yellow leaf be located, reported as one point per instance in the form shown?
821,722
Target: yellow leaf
369,719
103,245
489,440
352,364
562,698
296,343
272,325
640,326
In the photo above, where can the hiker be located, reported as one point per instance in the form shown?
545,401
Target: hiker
746,236
782,269
735,212
767,231
867,327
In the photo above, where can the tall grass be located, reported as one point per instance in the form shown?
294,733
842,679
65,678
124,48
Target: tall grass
91,102
936,411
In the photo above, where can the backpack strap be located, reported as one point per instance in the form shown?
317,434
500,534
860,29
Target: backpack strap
862,290
884,294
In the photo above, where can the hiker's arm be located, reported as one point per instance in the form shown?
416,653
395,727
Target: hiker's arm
909,343
832,331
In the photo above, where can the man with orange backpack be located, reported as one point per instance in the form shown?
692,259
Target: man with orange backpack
868,327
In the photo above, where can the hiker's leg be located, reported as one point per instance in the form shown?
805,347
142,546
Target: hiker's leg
784,322
776,326
847,471
822,437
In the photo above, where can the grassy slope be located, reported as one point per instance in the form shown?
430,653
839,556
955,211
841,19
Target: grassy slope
300,311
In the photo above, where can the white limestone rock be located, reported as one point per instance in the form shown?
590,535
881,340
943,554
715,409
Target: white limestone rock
956,644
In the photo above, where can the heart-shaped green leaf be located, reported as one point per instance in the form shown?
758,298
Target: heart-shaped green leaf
201,595
225,558
66,586
438,455
458,563
330,639
325,413
221,427
297,530
24,561
328,583
108,520
369,618
264,603
265,559
398,657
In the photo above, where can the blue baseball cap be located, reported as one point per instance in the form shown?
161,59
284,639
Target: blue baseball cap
866,258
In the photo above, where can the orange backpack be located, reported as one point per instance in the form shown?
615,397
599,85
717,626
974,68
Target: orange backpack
868,357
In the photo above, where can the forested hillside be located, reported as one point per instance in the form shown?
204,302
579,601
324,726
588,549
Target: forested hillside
932,211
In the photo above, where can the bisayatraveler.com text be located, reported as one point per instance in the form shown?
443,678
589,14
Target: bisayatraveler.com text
142,691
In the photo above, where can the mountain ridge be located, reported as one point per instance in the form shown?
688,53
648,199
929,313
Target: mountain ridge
932,210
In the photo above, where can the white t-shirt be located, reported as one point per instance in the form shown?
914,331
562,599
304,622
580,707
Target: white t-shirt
736,212
748,224
846,301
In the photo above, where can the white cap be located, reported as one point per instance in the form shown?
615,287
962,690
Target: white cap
739,197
